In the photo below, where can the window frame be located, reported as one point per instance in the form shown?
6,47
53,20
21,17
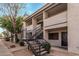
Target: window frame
52,36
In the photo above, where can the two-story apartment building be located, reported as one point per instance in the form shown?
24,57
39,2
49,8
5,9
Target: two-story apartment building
59,23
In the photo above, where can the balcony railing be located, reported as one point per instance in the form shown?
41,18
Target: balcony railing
59,18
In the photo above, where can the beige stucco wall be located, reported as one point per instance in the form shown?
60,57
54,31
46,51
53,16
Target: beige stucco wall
59,18
56,21
73,27
30,27
56,26
55,42
69,18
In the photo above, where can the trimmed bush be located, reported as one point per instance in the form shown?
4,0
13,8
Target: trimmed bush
21,43
7,39
47,46
17,40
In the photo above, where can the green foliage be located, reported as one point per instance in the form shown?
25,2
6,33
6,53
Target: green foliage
19,24
7,39
47,46
7,24
21,43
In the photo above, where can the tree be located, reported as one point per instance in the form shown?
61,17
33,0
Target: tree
7,24
1,35
11,11
6,35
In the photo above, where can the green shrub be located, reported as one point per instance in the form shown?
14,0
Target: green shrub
17,40
47,46
7,39
21,43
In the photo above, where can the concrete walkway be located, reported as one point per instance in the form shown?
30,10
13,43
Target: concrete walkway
4,51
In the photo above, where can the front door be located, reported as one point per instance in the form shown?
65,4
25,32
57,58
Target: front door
64,41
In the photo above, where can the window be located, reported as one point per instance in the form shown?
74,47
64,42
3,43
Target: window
53,36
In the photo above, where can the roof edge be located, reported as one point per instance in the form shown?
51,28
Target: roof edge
41,9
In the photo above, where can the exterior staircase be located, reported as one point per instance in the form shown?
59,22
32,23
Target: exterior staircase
36,47
35,44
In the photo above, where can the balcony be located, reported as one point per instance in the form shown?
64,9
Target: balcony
30,27
58,20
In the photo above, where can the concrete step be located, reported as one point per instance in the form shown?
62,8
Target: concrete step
43,53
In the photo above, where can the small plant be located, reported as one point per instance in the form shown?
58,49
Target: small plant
17,40
21,43
7,39
47,46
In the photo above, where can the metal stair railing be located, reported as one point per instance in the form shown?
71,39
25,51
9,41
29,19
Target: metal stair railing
30,46
37,31
37,27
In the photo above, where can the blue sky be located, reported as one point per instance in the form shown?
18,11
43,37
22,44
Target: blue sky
30,8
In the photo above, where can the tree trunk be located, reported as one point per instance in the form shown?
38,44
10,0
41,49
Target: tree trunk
14,26
11,37
16,36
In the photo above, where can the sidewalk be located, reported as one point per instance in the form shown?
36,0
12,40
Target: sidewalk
4,51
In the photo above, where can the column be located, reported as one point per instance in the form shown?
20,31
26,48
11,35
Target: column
60,39
34,23
73,28
24,30
45,14
45,33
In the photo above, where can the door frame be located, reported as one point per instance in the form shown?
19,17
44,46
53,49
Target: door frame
66,44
